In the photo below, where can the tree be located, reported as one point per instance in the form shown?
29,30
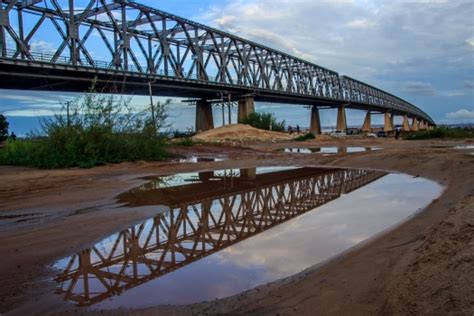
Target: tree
264,121
3,128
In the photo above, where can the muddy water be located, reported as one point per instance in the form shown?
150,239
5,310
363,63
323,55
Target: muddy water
464,147
195,159
329,150
228,231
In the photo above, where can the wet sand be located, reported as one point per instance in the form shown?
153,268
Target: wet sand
424,266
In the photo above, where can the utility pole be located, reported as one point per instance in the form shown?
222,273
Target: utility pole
230,109
223,114
68,116
152,108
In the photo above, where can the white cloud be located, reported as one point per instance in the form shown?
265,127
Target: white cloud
469,84
44,47
360,24
461,115
419,88
470,42
453,93
363,39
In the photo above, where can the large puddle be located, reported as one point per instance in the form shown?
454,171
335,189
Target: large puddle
228,231
328,150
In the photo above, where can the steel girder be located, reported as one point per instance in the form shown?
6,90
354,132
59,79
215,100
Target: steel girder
141,39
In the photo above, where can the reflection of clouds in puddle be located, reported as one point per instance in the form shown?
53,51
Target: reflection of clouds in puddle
332,228
285,249
464,147
328,150
195,159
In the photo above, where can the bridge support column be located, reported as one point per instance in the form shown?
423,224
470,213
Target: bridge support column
206,175
367,126
414,125
204,118
315,124
388,122
341,125
246,106
248,174
422,125
406,126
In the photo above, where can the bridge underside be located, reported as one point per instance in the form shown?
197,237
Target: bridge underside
61,78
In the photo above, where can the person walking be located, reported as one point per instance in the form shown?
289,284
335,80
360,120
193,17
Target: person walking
397,132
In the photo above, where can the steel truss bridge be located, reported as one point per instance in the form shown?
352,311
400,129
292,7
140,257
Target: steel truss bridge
138,44
204,218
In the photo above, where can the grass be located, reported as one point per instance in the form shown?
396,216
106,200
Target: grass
441,132
187,141
97,129
302,138
70,147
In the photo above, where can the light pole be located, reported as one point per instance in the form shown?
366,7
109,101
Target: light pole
152,107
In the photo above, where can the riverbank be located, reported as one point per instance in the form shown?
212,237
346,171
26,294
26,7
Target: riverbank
423,266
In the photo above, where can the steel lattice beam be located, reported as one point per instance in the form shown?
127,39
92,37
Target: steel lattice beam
147,44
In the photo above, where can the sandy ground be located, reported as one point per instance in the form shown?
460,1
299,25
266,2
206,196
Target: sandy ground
424,266
240,133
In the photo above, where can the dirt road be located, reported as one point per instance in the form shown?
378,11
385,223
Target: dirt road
424,266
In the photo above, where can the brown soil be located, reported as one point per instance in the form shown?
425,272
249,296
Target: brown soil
425,266
240,132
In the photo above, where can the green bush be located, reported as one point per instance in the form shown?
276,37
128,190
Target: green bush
96,129
3,128
441,132
264,121
187,141
305,137
70,147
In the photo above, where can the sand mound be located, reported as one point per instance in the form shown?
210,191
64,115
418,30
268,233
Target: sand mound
240,132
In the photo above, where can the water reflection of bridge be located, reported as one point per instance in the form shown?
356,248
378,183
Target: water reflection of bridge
206,216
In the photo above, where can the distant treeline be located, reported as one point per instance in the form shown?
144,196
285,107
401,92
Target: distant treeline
442,132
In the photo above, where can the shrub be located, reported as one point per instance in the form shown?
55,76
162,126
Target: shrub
305,137
441,132
96,129
264,121
187,141
3,128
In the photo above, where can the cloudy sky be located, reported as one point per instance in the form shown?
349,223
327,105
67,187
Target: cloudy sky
422,51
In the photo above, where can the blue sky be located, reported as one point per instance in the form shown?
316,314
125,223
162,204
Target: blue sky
422,51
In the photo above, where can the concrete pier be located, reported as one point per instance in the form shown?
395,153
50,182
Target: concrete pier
248,174
406,126
246,106
204,118
422,125
315,126
341,125
206,175
367,126
414,125
388,122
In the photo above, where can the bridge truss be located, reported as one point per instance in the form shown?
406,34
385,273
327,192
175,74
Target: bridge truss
139,44
197,228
